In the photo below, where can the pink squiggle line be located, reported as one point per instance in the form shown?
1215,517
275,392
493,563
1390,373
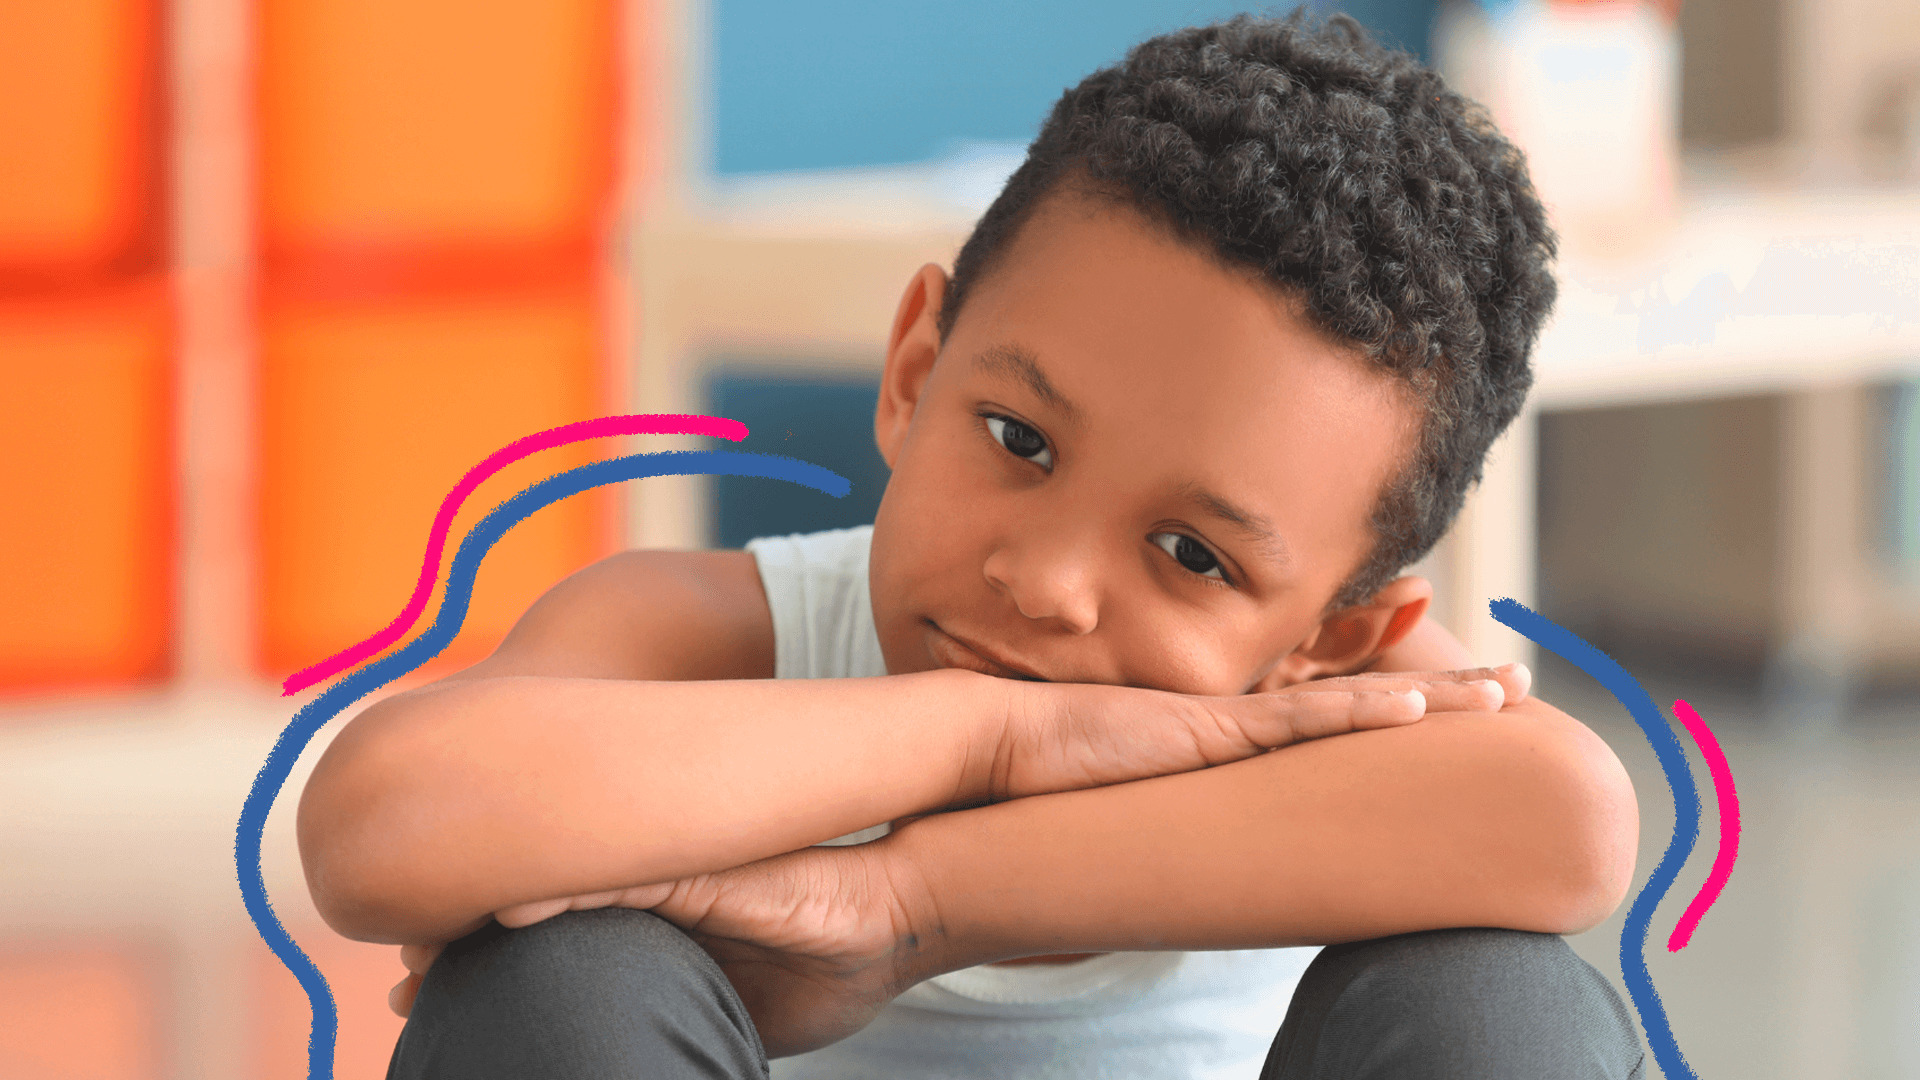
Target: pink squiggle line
1729,800
627,424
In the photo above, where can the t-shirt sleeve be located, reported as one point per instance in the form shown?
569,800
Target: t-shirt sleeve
782,567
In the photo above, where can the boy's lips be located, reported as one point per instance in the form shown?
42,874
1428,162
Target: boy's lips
954,652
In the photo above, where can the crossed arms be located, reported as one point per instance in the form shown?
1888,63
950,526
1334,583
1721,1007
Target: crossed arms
573,762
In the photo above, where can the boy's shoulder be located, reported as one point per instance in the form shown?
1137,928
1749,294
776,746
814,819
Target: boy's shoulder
667,615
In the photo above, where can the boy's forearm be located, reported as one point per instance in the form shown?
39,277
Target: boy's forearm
1522,819
444,806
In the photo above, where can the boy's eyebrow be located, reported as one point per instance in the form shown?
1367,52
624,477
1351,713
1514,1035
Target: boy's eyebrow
1256,527
1013,360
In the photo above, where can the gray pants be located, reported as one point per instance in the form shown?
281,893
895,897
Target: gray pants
616,994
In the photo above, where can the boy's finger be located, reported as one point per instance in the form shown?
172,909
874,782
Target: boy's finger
1515,679
646,896
521,915
1318,715
1518,679
1484,695
1442,695
418,958
400,998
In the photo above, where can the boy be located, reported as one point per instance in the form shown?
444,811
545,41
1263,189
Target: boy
1224,356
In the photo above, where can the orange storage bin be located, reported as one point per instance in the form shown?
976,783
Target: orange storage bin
86,549
438,127
434,183
371,411
79,153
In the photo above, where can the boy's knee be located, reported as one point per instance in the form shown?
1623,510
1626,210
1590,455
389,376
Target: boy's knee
1457,980
588,993
1471,1002
579,960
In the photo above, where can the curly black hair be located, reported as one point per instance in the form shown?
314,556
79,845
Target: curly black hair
1347,174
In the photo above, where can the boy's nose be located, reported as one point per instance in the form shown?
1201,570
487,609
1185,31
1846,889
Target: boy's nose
1049,577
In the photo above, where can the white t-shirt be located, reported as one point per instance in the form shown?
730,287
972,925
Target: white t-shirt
1137,1016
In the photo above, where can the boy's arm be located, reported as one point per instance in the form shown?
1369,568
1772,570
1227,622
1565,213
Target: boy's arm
624,729
1521,819
498,792
612,743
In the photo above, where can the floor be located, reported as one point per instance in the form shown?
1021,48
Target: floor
1808,966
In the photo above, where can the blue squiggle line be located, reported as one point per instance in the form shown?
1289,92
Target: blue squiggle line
1686,818
453,612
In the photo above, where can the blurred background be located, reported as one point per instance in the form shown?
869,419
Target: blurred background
275,273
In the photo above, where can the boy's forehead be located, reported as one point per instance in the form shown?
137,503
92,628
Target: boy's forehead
1093,271
1198,381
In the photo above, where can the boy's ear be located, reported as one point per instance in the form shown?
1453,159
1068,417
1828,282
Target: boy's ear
1349,639
912,348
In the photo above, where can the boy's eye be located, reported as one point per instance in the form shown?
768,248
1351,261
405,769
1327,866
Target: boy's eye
1020,440
1191,554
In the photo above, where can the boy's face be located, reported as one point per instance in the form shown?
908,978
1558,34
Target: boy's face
1130,465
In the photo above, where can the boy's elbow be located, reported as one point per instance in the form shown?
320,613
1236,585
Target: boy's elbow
373,900
351,849
353,889
353,906
1599,832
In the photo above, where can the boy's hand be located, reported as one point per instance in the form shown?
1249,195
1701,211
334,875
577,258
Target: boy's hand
816,942
1062,736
